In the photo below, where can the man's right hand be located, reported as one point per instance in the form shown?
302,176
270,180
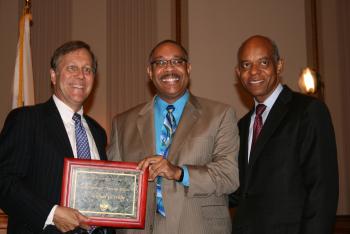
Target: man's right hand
67,219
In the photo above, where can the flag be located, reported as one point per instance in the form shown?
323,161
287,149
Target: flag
23,85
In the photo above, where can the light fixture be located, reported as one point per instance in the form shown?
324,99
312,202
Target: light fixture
308,81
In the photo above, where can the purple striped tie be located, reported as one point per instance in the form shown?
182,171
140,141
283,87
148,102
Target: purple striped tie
258,123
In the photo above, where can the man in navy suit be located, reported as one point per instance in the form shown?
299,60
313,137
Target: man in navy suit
288,175
35,140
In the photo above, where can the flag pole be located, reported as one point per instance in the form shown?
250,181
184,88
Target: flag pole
27,6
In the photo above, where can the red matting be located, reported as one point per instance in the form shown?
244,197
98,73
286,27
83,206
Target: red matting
72,164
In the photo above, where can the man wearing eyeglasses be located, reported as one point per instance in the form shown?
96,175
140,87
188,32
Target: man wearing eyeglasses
35,140
189,144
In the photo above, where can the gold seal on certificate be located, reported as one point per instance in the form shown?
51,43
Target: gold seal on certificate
111,193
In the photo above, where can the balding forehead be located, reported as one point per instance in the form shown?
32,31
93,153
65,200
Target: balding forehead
260,41
255,41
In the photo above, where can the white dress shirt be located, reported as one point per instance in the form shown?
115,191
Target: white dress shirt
66,114
268,103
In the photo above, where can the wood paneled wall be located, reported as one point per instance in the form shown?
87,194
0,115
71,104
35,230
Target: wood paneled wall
51,28
130,36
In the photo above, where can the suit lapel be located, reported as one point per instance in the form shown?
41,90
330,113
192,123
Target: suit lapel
244,135
97,138
188,118
56,129
190,115
277,113
146,131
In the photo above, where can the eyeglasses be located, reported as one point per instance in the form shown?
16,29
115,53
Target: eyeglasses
86,70
176,62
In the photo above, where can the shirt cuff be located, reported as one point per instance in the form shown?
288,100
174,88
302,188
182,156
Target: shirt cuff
49,220
186,179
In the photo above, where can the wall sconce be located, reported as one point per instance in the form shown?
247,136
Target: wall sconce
310,83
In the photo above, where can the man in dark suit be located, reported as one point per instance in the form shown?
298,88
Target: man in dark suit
288,170
198,169
35,140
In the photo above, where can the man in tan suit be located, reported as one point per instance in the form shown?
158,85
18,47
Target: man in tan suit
191,176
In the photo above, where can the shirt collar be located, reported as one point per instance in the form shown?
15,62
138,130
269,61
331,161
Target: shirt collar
65,111
179,104
272,98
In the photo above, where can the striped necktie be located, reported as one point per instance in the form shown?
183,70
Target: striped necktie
82,143
167,133
258,123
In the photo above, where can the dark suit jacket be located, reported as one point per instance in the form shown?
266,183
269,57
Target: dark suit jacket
33,144
291,182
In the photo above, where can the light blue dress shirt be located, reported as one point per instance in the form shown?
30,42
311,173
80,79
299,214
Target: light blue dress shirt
159,115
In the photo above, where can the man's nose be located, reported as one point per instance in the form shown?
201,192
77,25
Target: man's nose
255,69
169,67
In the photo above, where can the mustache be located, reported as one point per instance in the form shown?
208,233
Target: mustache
168,75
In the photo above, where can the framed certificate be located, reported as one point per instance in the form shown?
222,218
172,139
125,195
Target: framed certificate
112,194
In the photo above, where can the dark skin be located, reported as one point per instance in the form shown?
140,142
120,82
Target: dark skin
171,83
257,69
158,166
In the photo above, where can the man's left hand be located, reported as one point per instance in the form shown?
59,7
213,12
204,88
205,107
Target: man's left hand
159,166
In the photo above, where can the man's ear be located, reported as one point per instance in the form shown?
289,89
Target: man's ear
149,72
53,76
280,66
189,68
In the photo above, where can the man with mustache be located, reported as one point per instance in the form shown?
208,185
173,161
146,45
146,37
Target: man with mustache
287,159
35,140
189,144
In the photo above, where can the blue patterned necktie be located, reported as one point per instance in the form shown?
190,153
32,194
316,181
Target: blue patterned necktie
83,149
166,135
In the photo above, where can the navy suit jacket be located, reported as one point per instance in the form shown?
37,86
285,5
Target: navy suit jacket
290,184
33,145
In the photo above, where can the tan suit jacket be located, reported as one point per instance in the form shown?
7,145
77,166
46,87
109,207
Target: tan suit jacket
207,142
